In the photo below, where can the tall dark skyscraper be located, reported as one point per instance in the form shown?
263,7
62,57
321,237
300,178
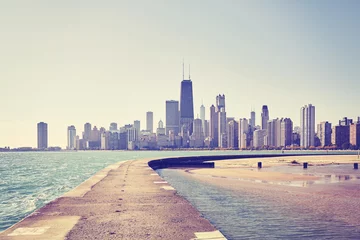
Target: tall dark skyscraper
264,117
186,104
42,135
172,116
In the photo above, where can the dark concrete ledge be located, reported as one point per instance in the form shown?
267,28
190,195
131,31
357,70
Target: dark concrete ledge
201,161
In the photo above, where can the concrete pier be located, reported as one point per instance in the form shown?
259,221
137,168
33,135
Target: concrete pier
130,201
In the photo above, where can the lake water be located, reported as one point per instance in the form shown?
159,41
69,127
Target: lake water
29,180
249,215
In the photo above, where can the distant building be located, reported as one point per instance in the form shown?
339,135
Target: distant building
87,131
324,133
252,120
233,134
197,137
264,117
161,138
220,102
42,135
222,123
345,121
286,132
105,140
207,128
273,132
172,117
137,126
243,132
340,135
213,127
150,122
258,138
355,135
186,105
202,117
307,125
113,127
71,137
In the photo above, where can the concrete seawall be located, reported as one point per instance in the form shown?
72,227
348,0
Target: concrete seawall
127,200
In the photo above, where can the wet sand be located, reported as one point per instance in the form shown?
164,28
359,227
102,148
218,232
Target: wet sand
337,201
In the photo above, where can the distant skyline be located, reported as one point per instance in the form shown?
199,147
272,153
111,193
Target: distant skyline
71,62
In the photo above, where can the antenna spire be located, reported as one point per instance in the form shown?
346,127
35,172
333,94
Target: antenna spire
189,73
183,70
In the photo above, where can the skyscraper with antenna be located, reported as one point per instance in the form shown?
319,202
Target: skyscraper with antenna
186,104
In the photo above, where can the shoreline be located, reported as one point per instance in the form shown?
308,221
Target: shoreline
44,222
111,200
334,194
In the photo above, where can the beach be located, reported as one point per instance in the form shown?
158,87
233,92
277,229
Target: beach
328,189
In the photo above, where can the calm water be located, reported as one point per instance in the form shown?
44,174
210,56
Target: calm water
250,216
30,180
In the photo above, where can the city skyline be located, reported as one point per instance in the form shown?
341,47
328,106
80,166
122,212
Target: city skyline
81,68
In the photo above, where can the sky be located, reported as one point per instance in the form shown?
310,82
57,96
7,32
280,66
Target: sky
70,62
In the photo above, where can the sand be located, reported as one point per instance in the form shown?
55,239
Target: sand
274,183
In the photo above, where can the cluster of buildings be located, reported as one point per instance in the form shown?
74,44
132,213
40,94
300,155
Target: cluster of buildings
183,130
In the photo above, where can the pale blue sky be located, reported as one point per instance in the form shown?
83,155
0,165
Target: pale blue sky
71,62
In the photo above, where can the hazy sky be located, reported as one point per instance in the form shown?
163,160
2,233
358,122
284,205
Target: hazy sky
74,61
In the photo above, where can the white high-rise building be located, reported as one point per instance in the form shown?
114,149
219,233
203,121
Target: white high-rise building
307,125
197,137
222,128
233,134
202,117
243,132
259,137
71,137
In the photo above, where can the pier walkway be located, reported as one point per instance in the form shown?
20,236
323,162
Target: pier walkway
128,200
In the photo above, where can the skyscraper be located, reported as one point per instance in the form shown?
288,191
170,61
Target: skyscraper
259,137
186,105
71,137
150,122
42,135
307,125
324,133
222,128
202,117
172,117
87,131
233,134
197,137
213,130
113,126
252,120
137,126
355,134
243,132
264,117
286,132
220,102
